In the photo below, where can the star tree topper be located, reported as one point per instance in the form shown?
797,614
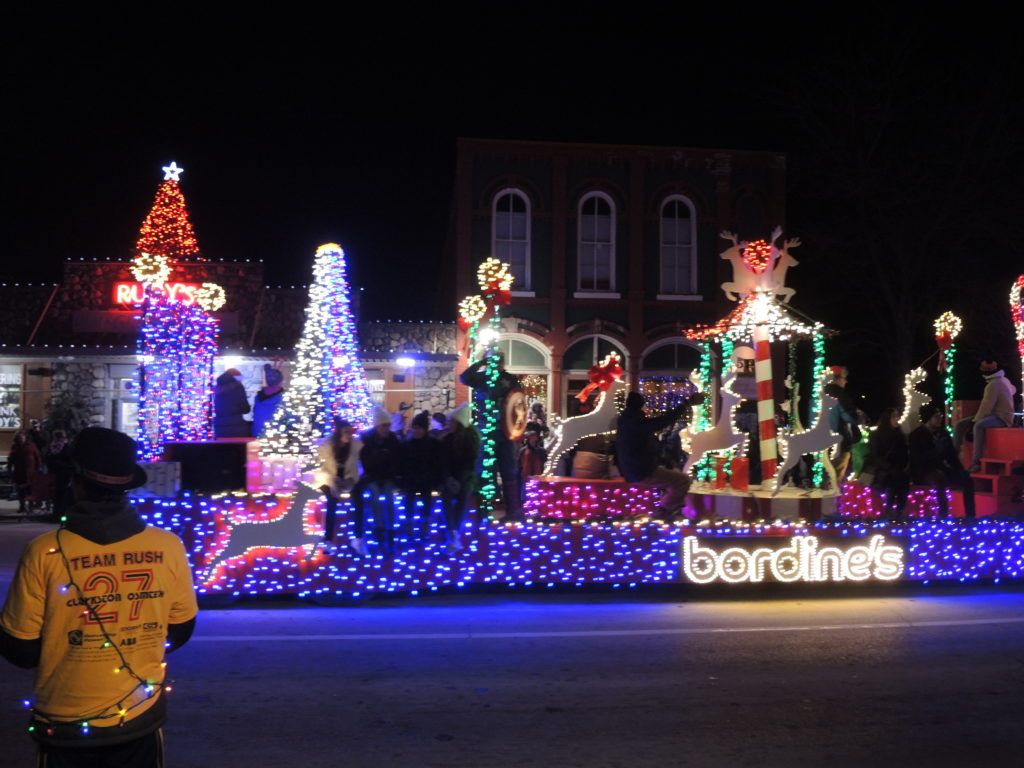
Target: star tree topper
172,171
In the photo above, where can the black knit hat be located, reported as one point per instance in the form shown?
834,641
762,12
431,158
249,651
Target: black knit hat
106,458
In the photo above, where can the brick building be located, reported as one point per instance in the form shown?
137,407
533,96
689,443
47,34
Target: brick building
612,247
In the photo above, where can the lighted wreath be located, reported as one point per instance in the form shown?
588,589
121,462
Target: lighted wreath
494,276
151,269
211,297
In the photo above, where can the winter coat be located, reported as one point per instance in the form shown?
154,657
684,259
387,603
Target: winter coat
263,407
997,399
636,446
379,456
24,461
459,451
476,377
888,455
931,453
229,404
421,468
338,477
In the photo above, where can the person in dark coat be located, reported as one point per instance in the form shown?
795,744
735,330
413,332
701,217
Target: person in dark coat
267,400
886,465
23,461
460,446
420,469
933,460
638,453
532,456
229,405
58,463
475,376
379,459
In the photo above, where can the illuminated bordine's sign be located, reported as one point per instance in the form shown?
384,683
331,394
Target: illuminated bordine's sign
803,559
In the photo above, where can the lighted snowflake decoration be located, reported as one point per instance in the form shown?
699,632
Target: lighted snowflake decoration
211,297
757,256
493,275
948,325
151,269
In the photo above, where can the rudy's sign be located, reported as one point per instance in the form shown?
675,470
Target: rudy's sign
131,294
800,558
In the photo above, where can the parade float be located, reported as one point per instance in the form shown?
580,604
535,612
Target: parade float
266,539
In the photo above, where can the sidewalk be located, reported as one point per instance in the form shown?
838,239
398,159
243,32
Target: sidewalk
9,514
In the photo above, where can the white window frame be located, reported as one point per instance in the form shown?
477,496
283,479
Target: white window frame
691,294
526,289
590,293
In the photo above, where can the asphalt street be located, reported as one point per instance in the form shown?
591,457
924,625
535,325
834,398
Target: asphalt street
873,676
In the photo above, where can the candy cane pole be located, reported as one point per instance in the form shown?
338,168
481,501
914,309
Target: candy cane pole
765,401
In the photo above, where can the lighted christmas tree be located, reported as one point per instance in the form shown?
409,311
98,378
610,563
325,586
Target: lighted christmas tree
177,340
167,230
328,380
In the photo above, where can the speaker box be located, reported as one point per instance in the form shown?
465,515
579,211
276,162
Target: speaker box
214,467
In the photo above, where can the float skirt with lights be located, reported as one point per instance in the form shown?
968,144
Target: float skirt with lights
250,545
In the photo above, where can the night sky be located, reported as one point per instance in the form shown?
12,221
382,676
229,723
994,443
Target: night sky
344,128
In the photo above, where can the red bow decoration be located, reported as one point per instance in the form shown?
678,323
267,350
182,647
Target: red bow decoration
499,298
602,376
945,341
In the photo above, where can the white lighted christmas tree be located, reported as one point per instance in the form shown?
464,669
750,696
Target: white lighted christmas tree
328,380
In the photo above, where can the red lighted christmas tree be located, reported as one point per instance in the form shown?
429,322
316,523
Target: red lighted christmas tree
167,230
177,340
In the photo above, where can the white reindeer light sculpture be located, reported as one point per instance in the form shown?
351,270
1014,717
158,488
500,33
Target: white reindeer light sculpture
600,420
724,434
818,438
913,399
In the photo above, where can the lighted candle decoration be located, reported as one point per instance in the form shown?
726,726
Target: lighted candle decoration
947,328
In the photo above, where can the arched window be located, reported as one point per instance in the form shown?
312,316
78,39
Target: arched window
664,374
596,246
576,363
678,247
510,235
528,359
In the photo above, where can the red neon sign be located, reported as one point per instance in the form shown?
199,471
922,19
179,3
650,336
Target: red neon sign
132,293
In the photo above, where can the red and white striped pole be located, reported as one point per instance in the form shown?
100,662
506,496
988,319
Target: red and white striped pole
765,401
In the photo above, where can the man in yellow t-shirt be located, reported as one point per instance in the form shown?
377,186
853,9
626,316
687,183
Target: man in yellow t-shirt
94,606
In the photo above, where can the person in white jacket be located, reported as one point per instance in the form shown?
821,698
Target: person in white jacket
996,410
339,470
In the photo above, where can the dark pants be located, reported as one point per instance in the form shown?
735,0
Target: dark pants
382,497
146,752
330,515
895,486
457,491
958,479
505,451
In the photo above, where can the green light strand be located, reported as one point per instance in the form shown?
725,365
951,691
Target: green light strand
705,470
488,421
791,377
727,352
818,474
950,355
